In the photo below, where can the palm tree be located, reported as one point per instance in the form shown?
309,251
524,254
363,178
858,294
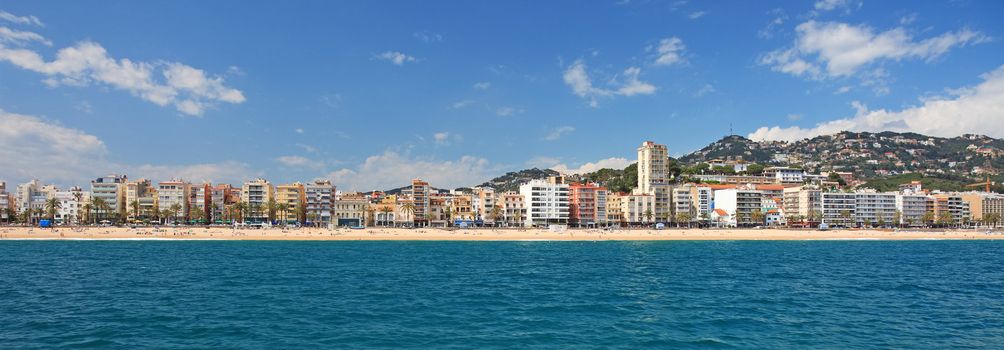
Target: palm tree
684,217
239,209
99,205
282,209
86,209
385,210
495,213
370,218
648,215
897,217
77,196
408,208
927,218
300,213
271,207
175,211
51,206
135,209
846,215
213,208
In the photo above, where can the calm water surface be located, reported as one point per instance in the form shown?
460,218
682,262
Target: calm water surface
835,295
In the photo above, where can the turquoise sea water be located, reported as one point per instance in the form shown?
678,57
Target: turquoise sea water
631,295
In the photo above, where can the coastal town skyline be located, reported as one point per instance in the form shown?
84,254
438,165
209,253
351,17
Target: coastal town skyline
374,95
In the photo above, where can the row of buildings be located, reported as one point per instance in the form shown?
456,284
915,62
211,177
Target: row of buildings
781,196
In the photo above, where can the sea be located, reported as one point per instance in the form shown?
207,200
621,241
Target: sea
502,295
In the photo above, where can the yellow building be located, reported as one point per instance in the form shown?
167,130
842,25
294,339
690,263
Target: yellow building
289,198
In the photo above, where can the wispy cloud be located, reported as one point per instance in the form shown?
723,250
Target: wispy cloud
428,37
558,132
483,85
395,57
697,14
629,84
669,52
24,20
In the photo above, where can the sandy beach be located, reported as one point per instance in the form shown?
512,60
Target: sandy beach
483,234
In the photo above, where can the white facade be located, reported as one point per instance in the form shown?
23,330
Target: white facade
653,176
785,174
320,200
111,189
874,208
838,208
546,203
174,194
70,205
912,208
739,204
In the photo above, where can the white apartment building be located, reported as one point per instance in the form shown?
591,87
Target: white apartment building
349,211
785,174
71,204
681,201
838,208
546,203
319,202
912,208
740,204
174,194
874,208
701,198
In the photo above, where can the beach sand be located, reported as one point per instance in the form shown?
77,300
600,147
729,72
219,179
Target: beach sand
481,234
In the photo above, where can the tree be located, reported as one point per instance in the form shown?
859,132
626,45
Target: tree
99,205
175,211
282,210
945,218
51,206
270,209
386,210
301,212
648,215
135,208
928,218
495,213
758,217
408,208
684,217
836,178
897,218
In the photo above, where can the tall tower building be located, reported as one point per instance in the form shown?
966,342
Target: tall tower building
653,176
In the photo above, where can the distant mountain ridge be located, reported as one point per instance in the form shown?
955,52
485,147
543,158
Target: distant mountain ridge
869,156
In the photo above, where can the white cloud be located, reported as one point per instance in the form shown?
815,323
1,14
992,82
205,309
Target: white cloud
704,90
508,111
697,14
778,18
84,107
27,20
35,148
17,37
831,49
446,138
460,104
393,169
978,109
395,57
794,117
428,37
670,51
307,148
828,5
189,89
299,162
557,165
298,130
556,133
843,90
483,85
578,79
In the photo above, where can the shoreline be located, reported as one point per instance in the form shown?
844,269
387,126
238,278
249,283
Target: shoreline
481,234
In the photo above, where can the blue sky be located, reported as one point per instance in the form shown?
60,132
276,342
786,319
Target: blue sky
371,94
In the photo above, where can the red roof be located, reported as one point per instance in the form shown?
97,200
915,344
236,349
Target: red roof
721,212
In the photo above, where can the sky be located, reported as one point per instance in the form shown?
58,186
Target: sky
371,94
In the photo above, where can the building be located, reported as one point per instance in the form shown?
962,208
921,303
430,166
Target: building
320,196
220,200
637,208
256,194
547,203
31,195
701,198
200,202
653,177
614,215
350,210
742,206
420,195
785,175
71,203
135,193
681,205
838,208
984,206
7,206
802,204
482,202
950,209
873,208
111,190
291,201
173,196
587,205
912,208
514,206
